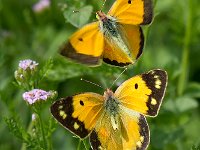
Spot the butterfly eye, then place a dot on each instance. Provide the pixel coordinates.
(136, 86)
(129, 1)
(81, 102)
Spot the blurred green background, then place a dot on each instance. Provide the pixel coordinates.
(172, 43)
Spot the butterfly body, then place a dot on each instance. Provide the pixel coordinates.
(111, 107)
(114, 35)
(111, 104)
(115, 120)
(117, 37)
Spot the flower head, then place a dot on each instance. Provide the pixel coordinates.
(26, 72)
(36, 95)
(41, 5)
(27, 64)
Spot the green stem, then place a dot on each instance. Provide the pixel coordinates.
(79, 144)
(185, 55)
(155, 2)
(42, 130)
(49, 135)
(29, 130)
(85, 145)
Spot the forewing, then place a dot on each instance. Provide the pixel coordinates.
(143, 93)
(135, 12)
(78, 113)
(85, 45)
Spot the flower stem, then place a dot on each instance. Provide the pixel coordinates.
(49, 135)
(29, 130)
(85, 145)
(42, 130)
(185, 55)
(79, 144)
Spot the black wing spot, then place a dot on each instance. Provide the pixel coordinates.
(136, 86)
(81, 102)
(80, 39)
(129, 1)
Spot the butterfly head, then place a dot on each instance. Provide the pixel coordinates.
(101, 16)
(108, 94)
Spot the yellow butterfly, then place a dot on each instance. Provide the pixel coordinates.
(116, 37)
(114, 121)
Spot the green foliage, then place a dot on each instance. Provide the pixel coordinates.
(172, 43)
(76, 18)
(16, 128)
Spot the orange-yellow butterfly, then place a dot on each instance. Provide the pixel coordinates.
(114, 121)
(116, 37)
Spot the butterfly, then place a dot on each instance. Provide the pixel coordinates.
(116, 37)
(114, 121)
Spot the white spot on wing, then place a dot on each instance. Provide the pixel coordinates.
(153, 101)
(76, 126)
(62, 114)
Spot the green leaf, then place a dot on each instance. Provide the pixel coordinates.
(185, 103)
(193, 90)
(169, 105)
(64, 68)
(79, 18)
(181, 104)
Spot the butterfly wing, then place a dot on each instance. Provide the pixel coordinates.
(136, 12)
(133, 37)
(104, 136)
(85, 45)
(137, 132)
(143, 93)
(133, 133)
(79, 113)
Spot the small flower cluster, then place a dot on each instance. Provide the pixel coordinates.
(26, 71)
(37, 95)
(27, 64)
(29, 76)
(41, 5)
(26, 76)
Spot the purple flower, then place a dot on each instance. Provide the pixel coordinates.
(27, 64)
(41, 5)
(36, 95)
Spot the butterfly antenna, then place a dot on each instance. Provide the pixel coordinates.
(91, 83)
(103, 5)
(78, 11)
(118, 77)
